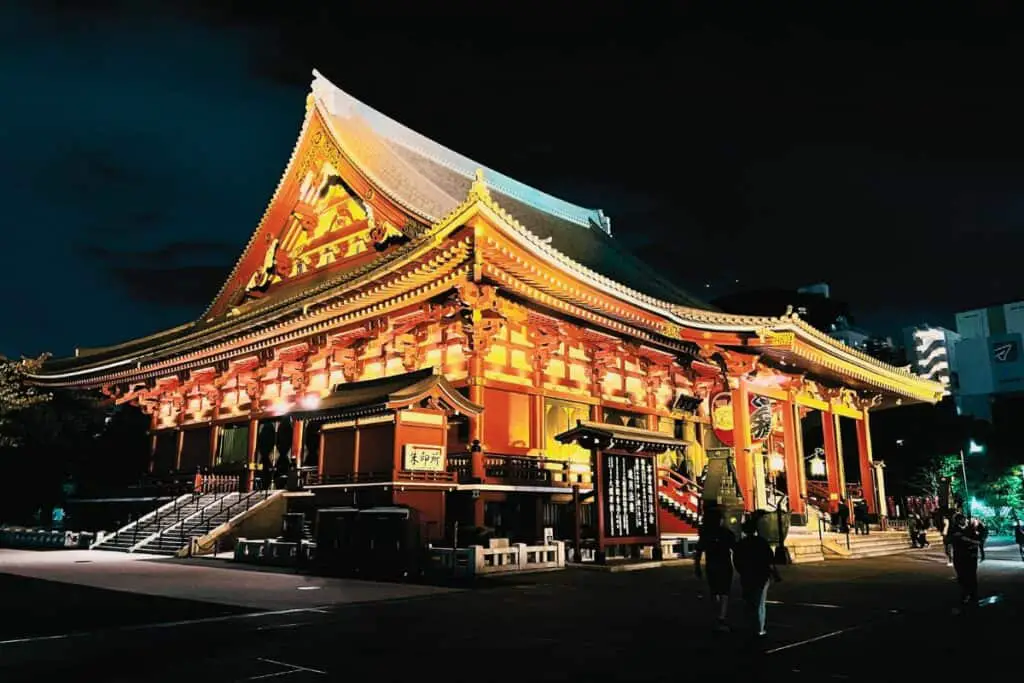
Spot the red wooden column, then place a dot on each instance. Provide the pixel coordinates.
(832, 464)
(214, 433)
(177, 454)
(794, 458)
(741, 443)
(320, 456)
(152, 451)
(476, 425)
(866, 461)
(251, 453)
(298, 431)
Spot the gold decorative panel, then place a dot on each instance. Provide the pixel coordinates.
(560, 416)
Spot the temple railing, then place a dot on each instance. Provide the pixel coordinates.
(498, 469)
(522, 470)
(310, 477)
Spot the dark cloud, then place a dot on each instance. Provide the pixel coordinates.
(173, 254)
(189, 287)
(139, 148)
(175, 275)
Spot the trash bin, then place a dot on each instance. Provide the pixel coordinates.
(336, 551)
(390, 542)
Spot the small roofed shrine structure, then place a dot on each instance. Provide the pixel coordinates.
(624, 464)
(391, 274)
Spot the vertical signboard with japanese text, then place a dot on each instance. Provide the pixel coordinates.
(629, 504)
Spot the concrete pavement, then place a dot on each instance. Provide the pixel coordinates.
(210, 581)
(842, 620)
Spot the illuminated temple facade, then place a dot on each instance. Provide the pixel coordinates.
(406, 326)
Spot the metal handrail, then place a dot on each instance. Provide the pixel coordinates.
(178, 520)
(266, 495)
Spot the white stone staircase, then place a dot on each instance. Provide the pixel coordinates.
(169, 529)
(875, 544)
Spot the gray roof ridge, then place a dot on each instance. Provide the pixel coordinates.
(338, 102)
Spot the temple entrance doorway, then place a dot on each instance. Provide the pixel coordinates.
(274, 450)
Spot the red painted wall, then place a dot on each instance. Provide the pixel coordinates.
(430, 506)
(377, 448)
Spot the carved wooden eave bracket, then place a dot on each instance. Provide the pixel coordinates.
(732, 364)
(764, 336)
(868, 401)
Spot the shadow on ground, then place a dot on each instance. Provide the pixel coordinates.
(34, 607)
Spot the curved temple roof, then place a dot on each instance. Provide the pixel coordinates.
(348, 109)
(431, 180)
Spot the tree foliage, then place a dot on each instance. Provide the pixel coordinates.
(999, 498)
(17, 394)
(45, 438)
(925, 480)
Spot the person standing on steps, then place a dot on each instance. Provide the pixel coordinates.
(755, 563)
(715, 545)
(860, 518)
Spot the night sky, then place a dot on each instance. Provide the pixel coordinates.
(882, 155)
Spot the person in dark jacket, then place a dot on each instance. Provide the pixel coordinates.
(966, 545)
(981, 531)
(947, 528)
(913, 529)
(860, 518)
(715, 545)
(755, 563)
(844, 516)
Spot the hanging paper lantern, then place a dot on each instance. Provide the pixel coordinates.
(760, 410)
(818, 466)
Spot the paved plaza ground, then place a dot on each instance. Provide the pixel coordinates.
(110, 617)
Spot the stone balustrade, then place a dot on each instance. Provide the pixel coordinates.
(21, 537)
(273, 552)
(500, 557)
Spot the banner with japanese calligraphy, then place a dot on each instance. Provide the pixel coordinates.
(423, 458)
(630, 504)
(762, 417)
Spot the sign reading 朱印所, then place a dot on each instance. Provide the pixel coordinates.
(630, 505)
(420, 458)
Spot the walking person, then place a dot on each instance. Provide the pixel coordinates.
(715, 545)
(197, 485)
(947, 538)
(1018, 536)
(982, 533)
(965, 545)
(755, 563)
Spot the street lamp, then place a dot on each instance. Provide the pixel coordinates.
(973, 448)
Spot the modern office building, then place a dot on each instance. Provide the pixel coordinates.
(990, 364)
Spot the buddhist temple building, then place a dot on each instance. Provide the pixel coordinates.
(406, 326)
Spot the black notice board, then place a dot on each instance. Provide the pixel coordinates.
(629, 502)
